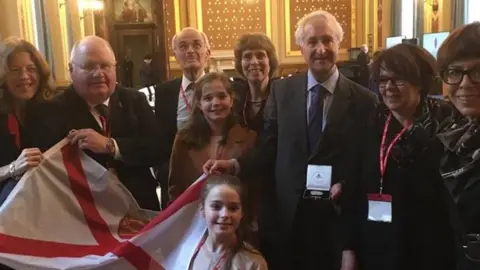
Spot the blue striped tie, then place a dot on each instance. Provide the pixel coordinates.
(315, 115)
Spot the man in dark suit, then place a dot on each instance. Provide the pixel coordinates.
(311, 122)
(363, 61)
(173, 99)
(114, 125)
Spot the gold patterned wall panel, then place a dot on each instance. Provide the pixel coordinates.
(224, 21)
(343, 10)
(172, 23)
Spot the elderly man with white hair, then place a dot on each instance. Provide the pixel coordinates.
(113, 124)
(173, 99)
(312, 124)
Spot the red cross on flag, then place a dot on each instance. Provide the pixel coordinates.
(72, 213)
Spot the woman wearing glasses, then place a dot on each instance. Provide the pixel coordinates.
(398, 211)
(459, 62)
(25, 85)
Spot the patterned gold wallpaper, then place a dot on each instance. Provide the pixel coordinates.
(224, 21)
(341, 9)
(169, 24)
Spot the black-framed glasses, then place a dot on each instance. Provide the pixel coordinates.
(454, 76)
(382, 81)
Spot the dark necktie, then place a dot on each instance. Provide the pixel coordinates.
(102, 109)
(315, 116)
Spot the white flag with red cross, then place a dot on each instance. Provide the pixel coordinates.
(72, 213)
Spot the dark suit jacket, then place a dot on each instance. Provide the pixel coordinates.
(133, 127)
(420, 235)
(242, 93)
(362, 59)
(166, 106)
(32, 133)
(282, 143)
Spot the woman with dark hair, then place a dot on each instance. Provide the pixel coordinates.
(459, 63)
(212, 132)
(398, 211)
(256, 61)
(25, 85)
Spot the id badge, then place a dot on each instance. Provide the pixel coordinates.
(319, 177)
(380, 208)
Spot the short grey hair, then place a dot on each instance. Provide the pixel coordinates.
(321, 15)
(204, 36)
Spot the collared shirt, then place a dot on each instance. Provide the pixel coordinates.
(330, 84)
(97, 115)
(182, 108)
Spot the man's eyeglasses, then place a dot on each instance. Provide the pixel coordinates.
(382, 81)
(91, 67)
(454, 76)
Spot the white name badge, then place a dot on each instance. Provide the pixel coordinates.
(319, 177)
(380, 207)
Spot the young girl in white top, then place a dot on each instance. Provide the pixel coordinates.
(223, 246)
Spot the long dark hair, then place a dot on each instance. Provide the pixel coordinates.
(241, 235)
(197, 132)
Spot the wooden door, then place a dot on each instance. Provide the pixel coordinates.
(134, 45)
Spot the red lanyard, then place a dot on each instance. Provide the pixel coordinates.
(185, 99)
(384, 155)
(14, 129)
(197, 250)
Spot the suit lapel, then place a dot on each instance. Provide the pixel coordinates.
(80, 112)
(297, 97)
(173, 93)
(336, 113)
(116, 119)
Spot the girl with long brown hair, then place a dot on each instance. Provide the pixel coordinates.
(224, 245)
(212, 132)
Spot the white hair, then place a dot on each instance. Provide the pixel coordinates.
(205, 38)
(322, 16)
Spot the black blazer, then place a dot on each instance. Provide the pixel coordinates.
(460, 168)
(166, 106)
(282, 144)
(133, 127)
(420, 235)
(242, 93)
(32, 134)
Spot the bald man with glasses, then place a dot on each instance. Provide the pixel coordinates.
(113, 124)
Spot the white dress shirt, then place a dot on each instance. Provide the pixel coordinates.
(97, 115)
(182, 109)
(330, 84)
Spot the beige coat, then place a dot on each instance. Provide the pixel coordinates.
(186, 164)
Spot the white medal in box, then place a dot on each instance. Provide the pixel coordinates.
(380, 208)
(319, 177)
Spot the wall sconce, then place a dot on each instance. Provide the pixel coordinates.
(434, 4)
(90, 5)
